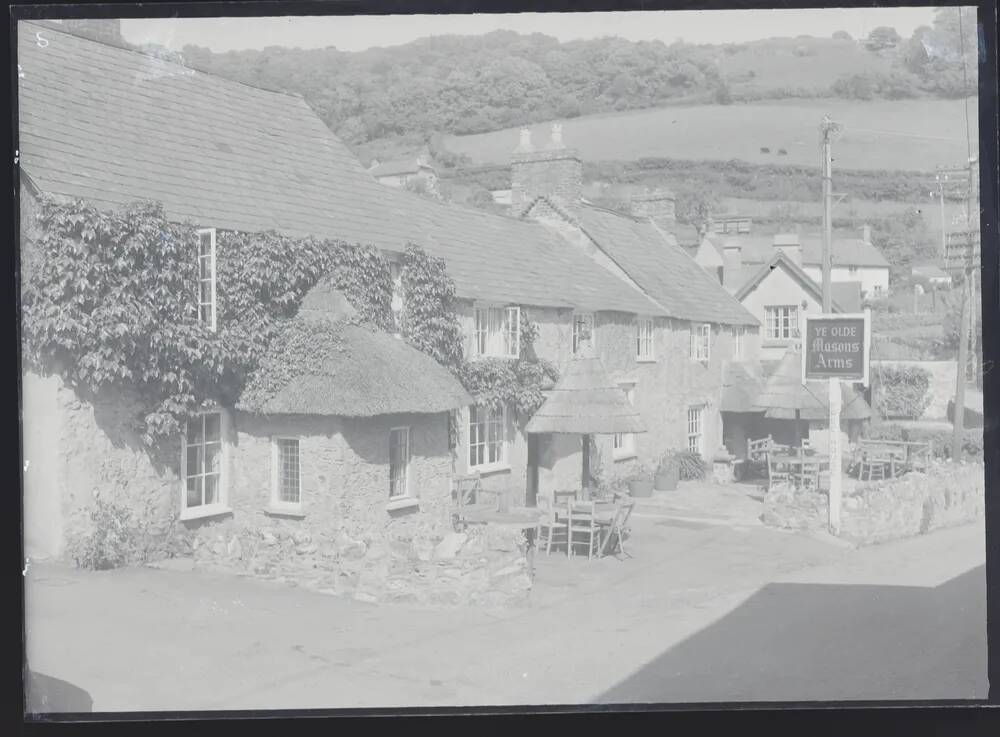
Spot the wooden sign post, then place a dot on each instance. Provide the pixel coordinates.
(836, 348)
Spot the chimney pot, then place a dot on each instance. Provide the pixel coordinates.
(867, 234)
(557, 139)
(525, 144)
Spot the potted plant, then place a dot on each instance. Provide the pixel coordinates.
(668, 472)
(640, 483)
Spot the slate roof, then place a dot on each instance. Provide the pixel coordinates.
(111, 126)
(757, 249)
(661, 268)
(780, 260)
(930, 271)
(847, 294)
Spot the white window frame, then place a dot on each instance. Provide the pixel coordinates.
(645, 325)
(220, 506)
(738, 333)
(408, 457)
(623, 443)
(501, 462)
(277, 503)
(589, 319)
(696, 429)
(700, 344)
(397, 304)
(213, 279)
(494, 327)
(770, 324)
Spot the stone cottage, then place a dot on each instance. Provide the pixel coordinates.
(229, 157)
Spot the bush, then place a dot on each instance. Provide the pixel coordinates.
(115, 536)
(901, 391)
(692, 466)
(885, 431)
(110, 541)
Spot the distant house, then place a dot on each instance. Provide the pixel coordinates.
(731, 224)
(933, 274)
(853, 259)
(501, 196)
(404, 171)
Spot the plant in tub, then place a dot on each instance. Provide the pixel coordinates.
(640, 483)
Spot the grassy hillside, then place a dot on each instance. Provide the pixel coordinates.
(759, 67)
(903, 134)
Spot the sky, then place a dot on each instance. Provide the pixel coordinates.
(356, 33)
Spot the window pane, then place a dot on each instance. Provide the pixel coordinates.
(211, 489)
(205, 243)
(194, 428)
(205, 294)
(192, 467)
(213, 425)
(194, 491)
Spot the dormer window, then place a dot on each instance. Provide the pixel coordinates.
(496, 332)
(701, 342)
(396, 304)
(644, 340)
(583, 331)
(206, 278)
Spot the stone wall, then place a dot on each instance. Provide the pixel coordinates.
(948, 495)
(349, 537)
(664, 390)
(415, 559)
(77, 447)
(879, 511)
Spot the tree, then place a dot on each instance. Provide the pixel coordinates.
(695, 205)
(854, 87)
(842, 36)
(881, 38)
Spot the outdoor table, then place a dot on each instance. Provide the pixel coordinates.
(793, 460)
(525, 519)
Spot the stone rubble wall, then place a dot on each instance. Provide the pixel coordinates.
(874, 512)
(914, 504)
(410, 561)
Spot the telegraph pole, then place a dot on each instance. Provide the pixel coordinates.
(968, 257)
(829, 130)
(941, 178)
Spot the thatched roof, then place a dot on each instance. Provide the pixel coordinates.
(784, 393)
(586, 401)
(741, 385)
(325, 362)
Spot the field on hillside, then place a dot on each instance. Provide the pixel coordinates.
(860, 209)
(905, 134)
(790, 63)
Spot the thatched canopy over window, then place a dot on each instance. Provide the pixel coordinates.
(326, 362)
(585, 401)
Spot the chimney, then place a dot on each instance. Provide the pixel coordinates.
(788, 244)
(732, 269)
(553, 171)
(658, 206)
(866, 234)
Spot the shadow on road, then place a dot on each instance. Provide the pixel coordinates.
(820, 642)
(46, 695)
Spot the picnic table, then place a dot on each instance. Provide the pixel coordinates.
(794, 463)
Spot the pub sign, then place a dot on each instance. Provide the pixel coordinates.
(836, 347)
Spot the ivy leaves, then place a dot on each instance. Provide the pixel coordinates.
(110, 302)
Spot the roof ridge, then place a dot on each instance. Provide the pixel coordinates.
(131, 48)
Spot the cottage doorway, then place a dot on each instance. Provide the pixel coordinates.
(534, 453)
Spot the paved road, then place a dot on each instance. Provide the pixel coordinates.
(702, 613)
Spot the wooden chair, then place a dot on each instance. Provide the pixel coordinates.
(776, 473)
(552, 528)
(583, 523)
(618, 529)
(465, 491)
(919, 457)
(757, 451)
(874, 461)
(807, 474)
